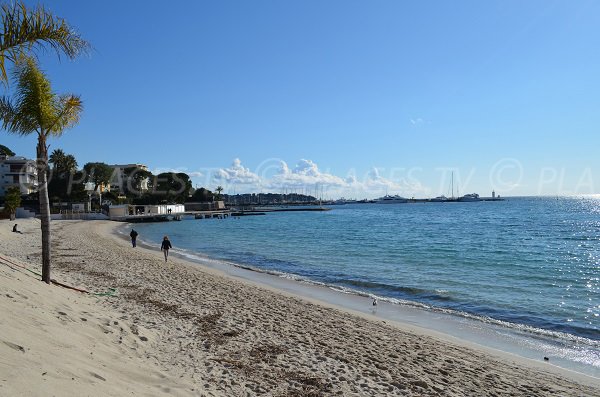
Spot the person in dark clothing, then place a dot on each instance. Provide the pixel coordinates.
(133, 236)
(165, 247)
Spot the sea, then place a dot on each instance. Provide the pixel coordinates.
(520, 275)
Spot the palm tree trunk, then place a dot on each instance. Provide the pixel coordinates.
(42, 168)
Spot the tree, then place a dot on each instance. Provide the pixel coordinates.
(98, 173)
(69, 165)
(174, 186)
(60, 184)
(12, 201)
(36, 109)
(24, 30)
(6, 151)
(56, 157)
(76, 189)
(62, 164)
(136, 181)
(219, 189)
(186, 187)
(202, 195)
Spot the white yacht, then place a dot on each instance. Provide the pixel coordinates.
(343, 200)
(470, 197)
(439, 199)
(387, 199)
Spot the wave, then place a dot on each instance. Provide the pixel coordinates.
(398, 290)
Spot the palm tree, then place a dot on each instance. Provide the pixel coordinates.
(12, 201)
(69, 164)
(26, 29)
(62, 164)
(219, 189)
(36, 109)
(57, 158)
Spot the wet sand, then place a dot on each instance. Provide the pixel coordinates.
(176, 328)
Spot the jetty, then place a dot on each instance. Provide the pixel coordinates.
(292, 209)
(265, 211)
(177, 212)
(454, 200)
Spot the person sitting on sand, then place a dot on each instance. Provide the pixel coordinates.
(15, 229)
(165, 246)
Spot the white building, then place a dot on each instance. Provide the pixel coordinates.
(18, 171)
(119, 180)
(131, 211)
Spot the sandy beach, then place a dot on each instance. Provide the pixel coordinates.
(183, 330)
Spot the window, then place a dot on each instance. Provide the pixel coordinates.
(16, 167)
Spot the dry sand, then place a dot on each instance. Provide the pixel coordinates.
(179, 329)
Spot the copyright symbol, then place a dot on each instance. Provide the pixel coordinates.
(268, 168)
(506, 174)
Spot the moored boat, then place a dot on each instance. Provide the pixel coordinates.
(439, 199)
(387, 199)
(470, 197)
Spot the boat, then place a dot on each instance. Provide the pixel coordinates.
(439, 199)
(470, 197)
(442, 198)
(387, 199)
(342, 201)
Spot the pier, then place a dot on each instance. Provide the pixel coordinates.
(178, 216)
(454, 200)
(292, 209)
(216, 214)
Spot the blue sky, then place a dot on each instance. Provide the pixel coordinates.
(350, 97)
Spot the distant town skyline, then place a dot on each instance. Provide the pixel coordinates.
(348, 98)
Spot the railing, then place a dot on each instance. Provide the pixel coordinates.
(79, 215)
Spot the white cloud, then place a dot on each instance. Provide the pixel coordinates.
(236, 174)
(308, 168)
(306, 176)
(306, 173)
(416, 121)
(375, 184)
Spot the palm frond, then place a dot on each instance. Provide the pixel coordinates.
(57, 156)
(13, 119)
(68, 110)
(70, 163)
(25, 29)
(7, 114)
(33, 95)
(35, 108)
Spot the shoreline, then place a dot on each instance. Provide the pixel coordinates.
(497, 339)
(229, 336)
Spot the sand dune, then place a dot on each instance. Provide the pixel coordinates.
(177, 329)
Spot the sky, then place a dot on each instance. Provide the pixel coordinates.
(346, 98)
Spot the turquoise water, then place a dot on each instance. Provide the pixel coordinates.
(524, 262)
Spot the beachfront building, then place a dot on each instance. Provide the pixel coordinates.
(18, 171)
(119, 179)
(132, 211)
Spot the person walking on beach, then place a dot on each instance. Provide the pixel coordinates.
(165, 247)
(133, 236)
